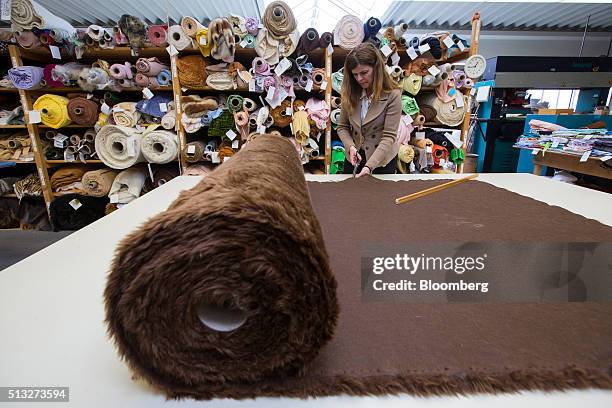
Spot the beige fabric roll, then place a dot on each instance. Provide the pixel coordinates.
(125, 114)
(191, 26)
(97, 183)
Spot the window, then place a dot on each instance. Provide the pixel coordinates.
(556, 98)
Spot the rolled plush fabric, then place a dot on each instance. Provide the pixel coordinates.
(157, 35)
(249, 104)
(279, 20)
(83, 111)
(134, 29)
(179, 39)
(279, 114)
(190, 26)
(164, 78)
(192, 71)
(118, 146)
(371, 27)
(150, 66)
(97, 183)
(53, 110)
(201, 40)
(193, 152)
(161, 175)
(409, 105)
(125, 114)
(27, 39)
(159, 146)
(121, 71)
(197, 106)
(309, 41)
(336, 102)
(220, 125)
(272, 219)
(65, 218)
(221, 40)
(29, 15)
(142, 80)
(349, 32)
(26, 77)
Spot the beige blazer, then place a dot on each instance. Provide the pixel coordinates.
(378, 133)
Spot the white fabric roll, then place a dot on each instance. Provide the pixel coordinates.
(179, 39)
(118, 146)
(27, 14)
(399, 30)
(349, 32)
(448, 113)
(127, 186)
(159, 146)
(168, 121)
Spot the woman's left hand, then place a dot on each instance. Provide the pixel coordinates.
(364, 171)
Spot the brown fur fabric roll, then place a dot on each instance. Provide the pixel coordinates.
(192, 71)
(196, 106)
(250, 241)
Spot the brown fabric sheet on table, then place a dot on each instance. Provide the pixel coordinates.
(422, 349)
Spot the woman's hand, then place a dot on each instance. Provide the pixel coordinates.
(355, 158)
(364, 171)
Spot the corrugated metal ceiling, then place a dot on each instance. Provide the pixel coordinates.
(517, 15)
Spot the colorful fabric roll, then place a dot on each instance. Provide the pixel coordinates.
(409, 105)
(252, 25)
(158, 34)
(125, 114)
(235, 103)
(221, 40)
(193, 151)
(53, 110)
(142, 80)
(446, 113)
(164, 78)
(83, 111)
(434, 46)
(191, 26)
(192, 71)
(152, 107)
(118, 146)
(177, 38)
(371, 27)
(412, 83)
(349, 32)
(220, 125)
(279, 114)
(336, 102)
(26, 77)
(300, 127)
(248, 41)
(318, 111)
(29, 15)
(279, 19)
(150, 66)
(201, 38)
(134, 29)
(337, 80)
(159, 146)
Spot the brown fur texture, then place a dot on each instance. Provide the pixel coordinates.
(247, 238)
(195, 106)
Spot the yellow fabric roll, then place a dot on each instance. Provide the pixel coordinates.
(53, 110)
(301, 127)
(102, 119)
(202, 35)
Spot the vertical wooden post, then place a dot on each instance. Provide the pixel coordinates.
(26, 104)
(177, 91)
(328, 92)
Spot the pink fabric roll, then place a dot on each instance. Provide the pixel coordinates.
(261, 67)
(403, 133)
(157, 35)
(287, 83)
(142, 79)
(318, 111)
(121, 71)
(150, 66)
(120, 38)
(27, 39)
(269, 81)
(125, 83)
(47, 71)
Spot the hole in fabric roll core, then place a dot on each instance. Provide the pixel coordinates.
(278, 12)
(44, 111)
(156, 34)
(176, 36)
(310, 35)
(372, 23)
(219, 318)
(158, 147)
(78, 111)
(118, 147)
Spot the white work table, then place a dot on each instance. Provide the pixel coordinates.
(52, 313)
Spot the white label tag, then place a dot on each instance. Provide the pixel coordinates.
(428, 149)
(226, 158)
(58, 140)
(407, 119)
(105, 109)
(442, 162)
(386, 50)
(455, 139)
(459, 99)
(252, 85)
(270, 94)
(89, 96)
(184, 89)
(163, 107)
(172, 50)
(433, 70)
(34, 116)
(585, 156)
(419, 135)
(330, 49)
(555, 143)
(605, 158)
(261, 129)
(131, 147)
(312, 143)
(147, 93)
(461, 46)
(308, 87)
(282, 94)
(473, 91)
(190, 149)
(324, 85)
(243, 43)
(411, 53)
(114, 198)
(139, 128)
(74, 203)
(235, 144)
(6, 10)
(587, 137)
(151, 172)
(424, 48)
(448, 41)
(203, 41)
(282, 66)
(214, 156)
(231, 134)
(289, 111)
(535, 152)
(55, 52)
(68, 156)
(482, 94)
(395, 59)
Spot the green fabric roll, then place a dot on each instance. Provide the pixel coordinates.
(457, 156)
(337, 80)
(337, 161)
(219, 126)
(235, 103)
(409, 105)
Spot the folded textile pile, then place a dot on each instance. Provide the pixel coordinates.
(71, 212)
(68, 179)
(155, 107)
(16, 146)
(149, 69)
(196, 111)
(28, 186)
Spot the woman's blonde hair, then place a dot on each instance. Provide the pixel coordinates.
(364, 54)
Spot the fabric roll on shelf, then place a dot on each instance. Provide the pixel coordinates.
(127, 186)
(26, 77)
(161, 175)
(221, 40)
(435, 48)
(201, 40)
(249, 208)
(27, 39)
(249, 104)
(413, 42)
(235, 103)
(192, 71)
(122, 71)
(29, 15)
(53, 110)
(242, 124)
(75, 139)
(194, 151)
(164, 78)
(134, 29)
(118, 146)
(337, 78)
(168, 121)
(399, 30)
(279, 114)
(447, 113)
(190, 26)
(125, 114)
(335, 116)
(150, 66)
(308, 42)
(89, 135)
(336, 102)
(97, 183)
(349, 32)
(65, 218)
(252, 25)
(371, 27)
(157, 35)
(159, 146)
(325, 39)
(279, 20)
(54, 153)
(83, 111)
(419, 120)
(412, 83)
(179, 39)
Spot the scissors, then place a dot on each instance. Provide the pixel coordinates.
(355, 167)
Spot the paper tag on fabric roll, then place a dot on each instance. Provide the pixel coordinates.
(147, 93)
(252, 86)
(172, 50)
(587, 137)
(260, 25)
(482, 94)
(68, 156)
(386, 50)
(424, 48)
(324, 85)
(214, 156)
(312, 143)
(411, 53)
(163, 107)
(289, 111)
(535, 152)
(55, 52)
(461, 46)
(58, 140)
(139, 128)
(291, 127)
(151, 173)
(89, 96)
(235, 144)
(75, 204)
(78, 52)
(231, 134)
(407, 119)
(308, 87)
(473, 91)
(261, 129)
(605, 158)
(419, 135)
(243, 43)
(448, 41)
(34, 116)
(184, 89)
(131, 147)
(428, 149)
(555, 143)
(6, 10)
(442, 162)
(282, 95)
(459, 99)
(455, 138)
(395, 59)
(105, 109)
(282, 66)
(114, 198)
(433, 70)
(203, 41)
(270, 94)
(190, 149)
(226, 158)
(585, 156)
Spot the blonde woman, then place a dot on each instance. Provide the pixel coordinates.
(370, 114)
